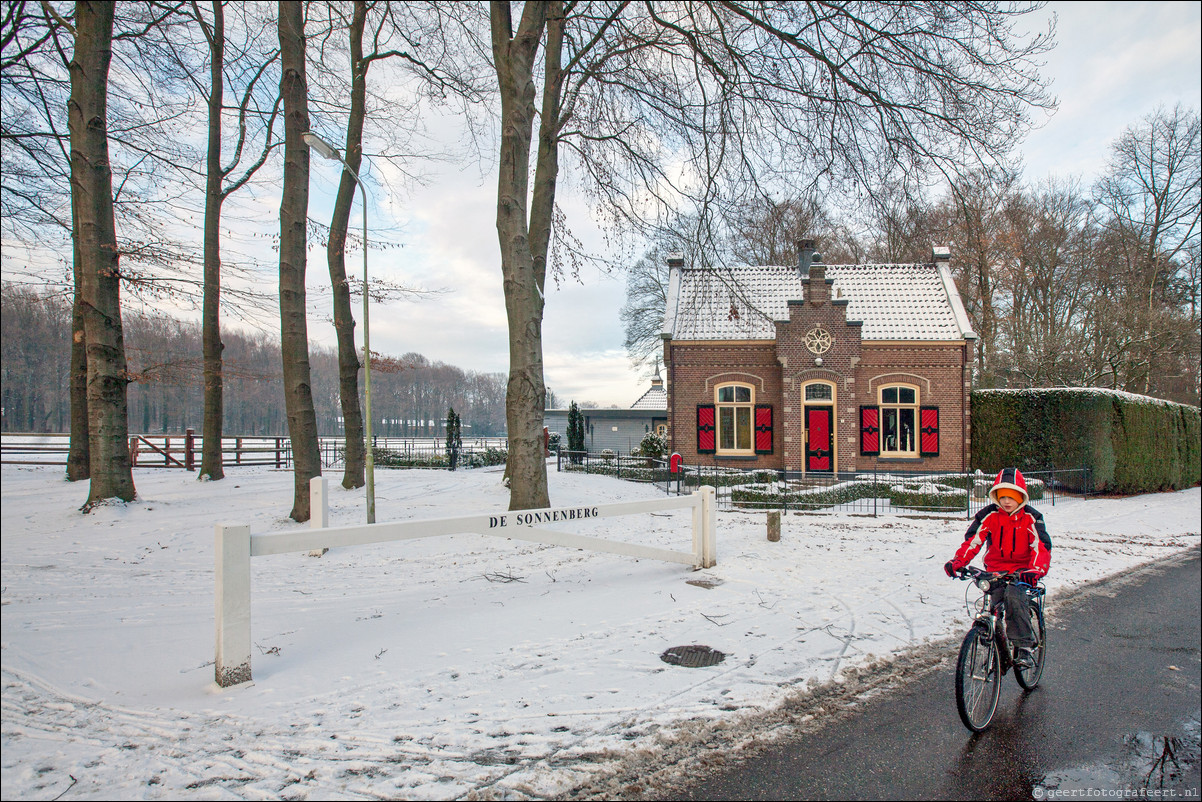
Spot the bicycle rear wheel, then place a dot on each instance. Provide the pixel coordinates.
(978, 680)
(1028, 678)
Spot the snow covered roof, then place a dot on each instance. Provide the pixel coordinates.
(893, 301)
(655, 398)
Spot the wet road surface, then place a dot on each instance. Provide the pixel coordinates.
(1118, 708)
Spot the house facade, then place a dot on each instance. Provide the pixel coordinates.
(819, 368)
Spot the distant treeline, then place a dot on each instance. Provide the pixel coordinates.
(410, 394)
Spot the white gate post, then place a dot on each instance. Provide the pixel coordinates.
(709, 547)
(232, 665)
(319, 508)
(319, 502)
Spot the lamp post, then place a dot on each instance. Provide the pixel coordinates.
(325, 150)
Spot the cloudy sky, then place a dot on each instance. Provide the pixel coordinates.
(1114, 63)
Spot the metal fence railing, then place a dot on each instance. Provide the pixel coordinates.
(876, 492)
(634, 469)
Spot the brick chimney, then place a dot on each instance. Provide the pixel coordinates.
(817, 285)
(805, 255)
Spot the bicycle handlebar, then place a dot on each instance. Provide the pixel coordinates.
(974, 573)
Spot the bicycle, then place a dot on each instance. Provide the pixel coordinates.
(985, 654)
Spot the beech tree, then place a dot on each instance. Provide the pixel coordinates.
(294, 206)
(1150, 204)
(222, 179)
(111, 475)
(376, 32)
(661, 105)
(37, 187)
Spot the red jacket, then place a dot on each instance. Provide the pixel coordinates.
(1015, 542)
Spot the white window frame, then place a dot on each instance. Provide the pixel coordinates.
(893, 443)
(737, 410)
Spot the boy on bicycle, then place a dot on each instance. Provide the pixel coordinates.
(1015, 540)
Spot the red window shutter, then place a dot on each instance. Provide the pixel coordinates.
(763, 429)
(870, 431)
(928, 431)
(706, 432)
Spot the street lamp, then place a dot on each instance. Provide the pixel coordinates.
(325, 150)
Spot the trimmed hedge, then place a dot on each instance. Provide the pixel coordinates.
(386, 458)
(924, 493)
(1131, 443)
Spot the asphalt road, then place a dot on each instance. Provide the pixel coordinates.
(1118, 707)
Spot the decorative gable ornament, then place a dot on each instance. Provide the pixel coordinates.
(818, 340)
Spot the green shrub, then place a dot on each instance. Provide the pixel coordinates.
(385, 458)
(488, 457)
(653, 446)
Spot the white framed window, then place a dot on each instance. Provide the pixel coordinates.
(899, 420)
(818, 392)
(734, 405)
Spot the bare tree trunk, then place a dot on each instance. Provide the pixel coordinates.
(294, 206)
(78, 467)
(344, 321)
(91, 182)
(214, 406)
(514, 58)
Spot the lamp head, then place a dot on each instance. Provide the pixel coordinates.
(323, 148)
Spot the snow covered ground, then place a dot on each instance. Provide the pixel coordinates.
(455, 667)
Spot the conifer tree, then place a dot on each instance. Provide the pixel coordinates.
(575, 430)
(454, 437)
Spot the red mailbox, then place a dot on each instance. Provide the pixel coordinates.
(674, 465)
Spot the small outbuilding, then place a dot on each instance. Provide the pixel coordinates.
(617, 430)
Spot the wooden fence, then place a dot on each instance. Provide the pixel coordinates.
(163, 450)
(182, 451)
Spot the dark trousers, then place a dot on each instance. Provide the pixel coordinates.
(1018, 614)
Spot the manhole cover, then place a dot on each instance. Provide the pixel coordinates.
(692, 656)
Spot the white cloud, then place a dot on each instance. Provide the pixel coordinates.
(1114, 63)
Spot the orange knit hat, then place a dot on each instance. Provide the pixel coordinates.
(1014, 494)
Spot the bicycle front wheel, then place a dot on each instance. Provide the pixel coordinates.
(1028, 678)
(978, 680)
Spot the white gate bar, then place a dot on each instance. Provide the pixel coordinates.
(497, 523)
(235, 545)
(536, 535)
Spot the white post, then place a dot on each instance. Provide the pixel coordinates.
(709, 547)
(699, 529)
(319, 508)
(232, 665)
(319, 502)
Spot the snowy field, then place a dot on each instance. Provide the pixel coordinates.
(461, 667)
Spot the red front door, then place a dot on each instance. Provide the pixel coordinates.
(819, 439)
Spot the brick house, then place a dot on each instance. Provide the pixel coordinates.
(819, 368)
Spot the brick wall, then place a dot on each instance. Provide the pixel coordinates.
(818, 317)
(695, 369)
(938, 371)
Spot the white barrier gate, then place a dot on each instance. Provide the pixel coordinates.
(235, 545)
